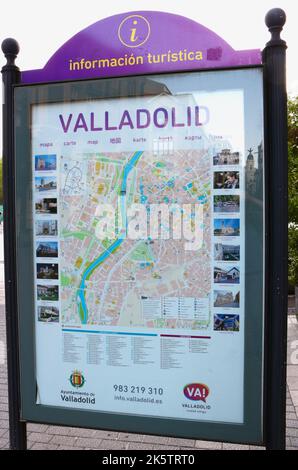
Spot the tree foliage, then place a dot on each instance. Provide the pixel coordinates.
(293, 158)
(293, 189)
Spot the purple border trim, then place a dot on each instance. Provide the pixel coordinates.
(161, 42)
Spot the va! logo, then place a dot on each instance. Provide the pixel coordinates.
(196, 392)
(77, 379)
(134, 31)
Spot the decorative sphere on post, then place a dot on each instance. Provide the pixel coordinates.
(275, 18)
(10, 48)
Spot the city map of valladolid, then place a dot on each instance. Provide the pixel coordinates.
(138, 239)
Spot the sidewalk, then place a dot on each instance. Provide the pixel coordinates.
(42, 436)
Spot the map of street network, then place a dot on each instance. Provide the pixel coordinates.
(117, 281)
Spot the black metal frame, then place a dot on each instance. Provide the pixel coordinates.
(276, 237)
(251, 430)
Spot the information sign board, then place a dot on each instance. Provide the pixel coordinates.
(144, 206)
(145, 233)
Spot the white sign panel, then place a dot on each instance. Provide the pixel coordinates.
(139, 255)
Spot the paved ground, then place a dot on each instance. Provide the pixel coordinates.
(42, 436)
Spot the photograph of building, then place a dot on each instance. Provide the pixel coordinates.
(226, 157)
(226, 203)
(226, 252)
(227, 276)
(46, 228)
(227, 227)
(46, 206)
(225, 298)
(47, 271)
(47, 292)
(226, 180)
(45, 183)
(48, 314)
(45, 162)
(223, 322)
(47, 249)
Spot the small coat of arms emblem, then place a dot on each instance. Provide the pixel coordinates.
(77, 379)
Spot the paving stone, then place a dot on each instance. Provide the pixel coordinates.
(4, 443)
(292, 423)
(59, 430)
(99, 434)
(190, 448)
(4, 433)
(294, 441)
(293, 383)
(291, 409)
(130, 437)
(288, 441)
(63, 440)
(37, 427)
(4, 423)
(166, 448)
(156, 439)
(292, 371)
(257, 448)
(69, 448)
(39, 446)
(294, 396)
(113, 445)
(81, 432)
(291, 415)
(228, 446)
(88, 442)
(139, 446)
(177, 441)
(292, 432)
(39, 437)
(209, 445)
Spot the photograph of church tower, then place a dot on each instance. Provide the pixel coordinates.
(253, 172)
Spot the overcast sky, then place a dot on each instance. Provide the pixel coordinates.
(41, 27)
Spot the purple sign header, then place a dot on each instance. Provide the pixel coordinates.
(138, 43)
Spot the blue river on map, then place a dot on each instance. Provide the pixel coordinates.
(127, 169)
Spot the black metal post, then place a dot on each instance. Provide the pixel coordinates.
(274, 59)
(10, 77)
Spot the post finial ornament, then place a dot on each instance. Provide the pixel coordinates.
(275, 20)
(10, 48)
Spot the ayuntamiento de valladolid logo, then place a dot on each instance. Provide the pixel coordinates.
(77, 381)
